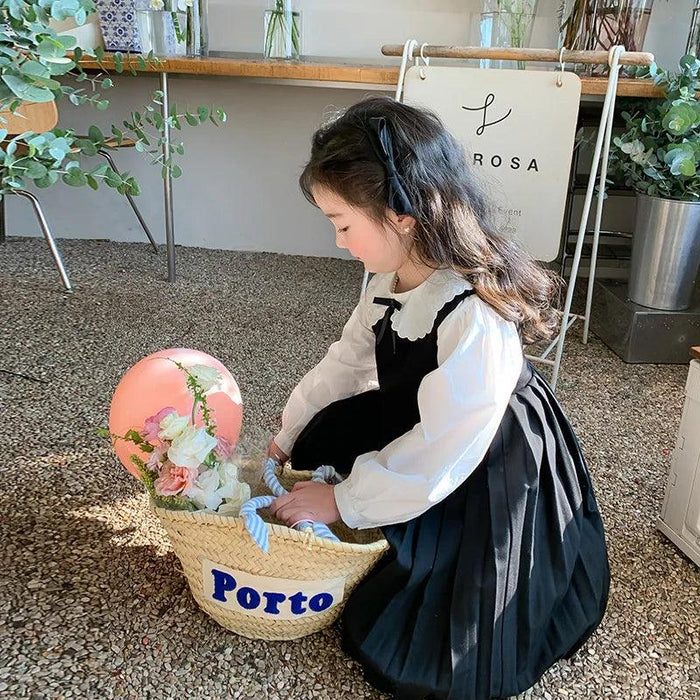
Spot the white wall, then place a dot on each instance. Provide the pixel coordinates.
(239, 187)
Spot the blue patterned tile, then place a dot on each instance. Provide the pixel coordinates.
(118, 24)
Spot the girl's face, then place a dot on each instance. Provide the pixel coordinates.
(377, 245)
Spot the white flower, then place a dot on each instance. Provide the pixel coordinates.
(228, 472)
(234, 491)
(191, 447)
(204, 492)
(232, 506)
(207, 377)
(172, 426)
(214, 486)
(182, 5)
(156, 4)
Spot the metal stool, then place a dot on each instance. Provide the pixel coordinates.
(42, 117)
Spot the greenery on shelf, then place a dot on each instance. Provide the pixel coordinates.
(39, 65)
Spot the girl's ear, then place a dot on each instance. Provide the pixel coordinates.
(402, 222)
(406, 224)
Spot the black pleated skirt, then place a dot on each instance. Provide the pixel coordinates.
(481, 594)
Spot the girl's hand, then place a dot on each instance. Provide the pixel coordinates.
(308, 500)
(276, 454)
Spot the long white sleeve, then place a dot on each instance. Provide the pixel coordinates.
(461, 405)
(348, 368)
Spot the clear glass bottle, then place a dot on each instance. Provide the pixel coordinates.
(179, 28)
(161, 31)
(197, 28)
(282, 37)
(506, 23)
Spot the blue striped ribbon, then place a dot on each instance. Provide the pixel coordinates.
(258, 528)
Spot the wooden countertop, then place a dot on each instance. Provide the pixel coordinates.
(325, 69)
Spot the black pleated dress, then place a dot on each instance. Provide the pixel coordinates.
(481, 594)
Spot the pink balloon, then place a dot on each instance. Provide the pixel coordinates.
(154, 383)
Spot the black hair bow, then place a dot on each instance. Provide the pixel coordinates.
(381, 142)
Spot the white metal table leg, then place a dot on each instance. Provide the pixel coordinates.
(168, 180)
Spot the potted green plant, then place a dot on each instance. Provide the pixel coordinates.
(36, 65)
(658, 155)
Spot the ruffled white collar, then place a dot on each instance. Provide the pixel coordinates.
(419, 306)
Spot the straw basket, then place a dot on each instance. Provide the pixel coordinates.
(296, 589)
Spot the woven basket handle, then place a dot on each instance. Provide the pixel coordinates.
(258, 528)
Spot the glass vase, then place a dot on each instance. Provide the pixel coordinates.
(506, 23)
(182, 31)
(598, 25)
(197, 38)
(282, 37)
(162, 32)
(693, 45)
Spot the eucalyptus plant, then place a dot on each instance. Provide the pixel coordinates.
(659, 152)
(36, 65)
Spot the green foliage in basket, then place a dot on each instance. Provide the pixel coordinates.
(659, 152)
(35, 66)
(146, 476)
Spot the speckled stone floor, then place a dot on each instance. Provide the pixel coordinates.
(92, 602)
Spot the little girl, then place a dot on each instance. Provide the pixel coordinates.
(452, 443)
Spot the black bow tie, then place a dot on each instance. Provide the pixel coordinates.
(393, 305)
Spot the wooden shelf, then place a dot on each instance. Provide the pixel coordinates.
(325, 69)
(626, 87)
(246, 65)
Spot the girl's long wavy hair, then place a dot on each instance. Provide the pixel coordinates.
(454, 217)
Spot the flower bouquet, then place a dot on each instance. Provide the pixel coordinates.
(248, 573)
(185, 466)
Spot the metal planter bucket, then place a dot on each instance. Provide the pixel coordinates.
(665, 253)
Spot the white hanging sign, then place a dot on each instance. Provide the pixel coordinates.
(268, 597)
(518, 128)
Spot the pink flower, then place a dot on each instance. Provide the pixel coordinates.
(159, 451)
(174, 480)
(151, 427)
(223, 448)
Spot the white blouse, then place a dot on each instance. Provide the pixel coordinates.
(461, 403)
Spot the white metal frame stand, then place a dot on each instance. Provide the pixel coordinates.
(615, 58)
